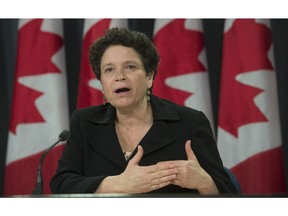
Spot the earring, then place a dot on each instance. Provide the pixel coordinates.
(148, 92)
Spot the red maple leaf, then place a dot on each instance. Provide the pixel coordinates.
(24, 110)
(179, 50)
(88, 96)
(246, 45)
(35, 51)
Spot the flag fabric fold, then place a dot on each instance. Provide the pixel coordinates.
(183, 75)
(249, 133)
(39, 107)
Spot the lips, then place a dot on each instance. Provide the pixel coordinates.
(121, 90)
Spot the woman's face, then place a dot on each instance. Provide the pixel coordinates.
(123, 78)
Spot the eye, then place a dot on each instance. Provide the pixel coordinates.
(109, 69)
(130, 67)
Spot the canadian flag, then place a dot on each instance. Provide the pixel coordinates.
(40, 105)
(89, 88)
(249, 135)
(182, 74)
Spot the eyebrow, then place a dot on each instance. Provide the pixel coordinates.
(126, 62)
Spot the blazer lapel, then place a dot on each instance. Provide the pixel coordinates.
(109, 147)
(160, 134)
(102, 136)
(157, 137)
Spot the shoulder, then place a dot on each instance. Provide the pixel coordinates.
(183, 111)
(182, 117)
(89, 110)
(168, 110)
(97, 114)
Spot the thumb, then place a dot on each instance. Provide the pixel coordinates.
(137, 157)
(189, 152)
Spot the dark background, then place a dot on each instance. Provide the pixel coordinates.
(213, 33)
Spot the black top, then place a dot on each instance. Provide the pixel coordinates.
(93, 150)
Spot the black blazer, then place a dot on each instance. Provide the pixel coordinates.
(93, 151)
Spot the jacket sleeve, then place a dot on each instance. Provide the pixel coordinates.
(69, 177)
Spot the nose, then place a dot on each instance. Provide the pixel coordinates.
(120, 76)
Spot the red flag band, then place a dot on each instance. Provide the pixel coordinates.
(249, 135)
(40, 105)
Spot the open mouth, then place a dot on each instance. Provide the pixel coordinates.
(121, 90)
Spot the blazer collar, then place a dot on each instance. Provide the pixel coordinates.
(162, 110)
(157, 137)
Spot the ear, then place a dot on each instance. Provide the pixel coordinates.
(150, 77)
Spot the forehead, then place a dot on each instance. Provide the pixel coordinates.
(119, 53)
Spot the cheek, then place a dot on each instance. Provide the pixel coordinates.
(105, 88)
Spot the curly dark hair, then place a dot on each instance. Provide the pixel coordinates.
(128, 38)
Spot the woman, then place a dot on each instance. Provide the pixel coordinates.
(137, 142)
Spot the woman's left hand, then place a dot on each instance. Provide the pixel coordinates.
(191, 175)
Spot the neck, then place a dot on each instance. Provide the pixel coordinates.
(138, 116)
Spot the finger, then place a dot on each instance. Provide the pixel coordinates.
(137, 157)
(189, 152)
(163, 173)
(164, 179)
(158, 186)
(162, 182)
(176, 182)
(170, 164)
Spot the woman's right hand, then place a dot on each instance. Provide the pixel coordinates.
(138, 179)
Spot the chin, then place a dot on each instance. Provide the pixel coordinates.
(122, 103)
